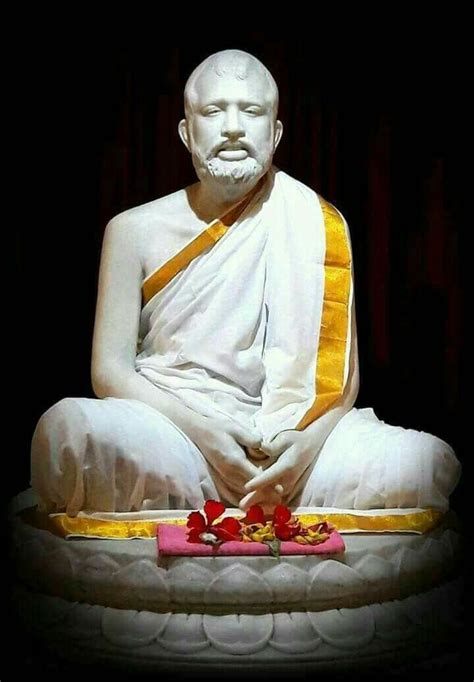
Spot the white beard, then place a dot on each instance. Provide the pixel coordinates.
(230, 172)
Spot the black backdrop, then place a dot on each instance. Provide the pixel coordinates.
(379, 134)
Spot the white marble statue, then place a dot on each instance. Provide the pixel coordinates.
(239, 290)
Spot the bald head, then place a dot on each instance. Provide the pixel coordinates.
(231, 127)
(234, 63)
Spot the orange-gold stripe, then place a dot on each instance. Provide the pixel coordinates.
(331, 353)
(207, 238)
(170, 269)
(62, 525)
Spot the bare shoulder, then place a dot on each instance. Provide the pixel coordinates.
(145, 217)
(154, 231)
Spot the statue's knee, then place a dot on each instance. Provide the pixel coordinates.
(62, 410)
(444, 466)
(431, 472)
(57, 421)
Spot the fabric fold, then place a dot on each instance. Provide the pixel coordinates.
(252, 322)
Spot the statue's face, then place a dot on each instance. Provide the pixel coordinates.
(232, 134)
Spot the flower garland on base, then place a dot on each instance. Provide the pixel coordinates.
(253, 527)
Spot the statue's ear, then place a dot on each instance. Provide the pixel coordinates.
(183, 133)
(278, 133)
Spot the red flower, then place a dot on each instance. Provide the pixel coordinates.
(284, 530)
(204, 530)
(254, 515)
(254, 527)
(227, 529)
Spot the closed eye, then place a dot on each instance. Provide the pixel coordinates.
(210, 111)
(253, 111)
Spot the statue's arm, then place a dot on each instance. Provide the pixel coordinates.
(117, 324)
(113, 359)
(317, 431)
(296, 450)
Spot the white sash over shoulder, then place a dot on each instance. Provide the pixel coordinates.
(251, 320)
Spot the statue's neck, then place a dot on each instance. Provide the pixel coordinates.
(211, 200)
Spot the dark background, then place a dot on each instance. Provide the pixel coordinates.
(375, 120)
(379, 132)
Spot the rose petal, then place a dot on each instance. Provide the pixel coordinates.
(281, 514)
(213, 509)
(224, 535)
(255, 514)
(230, 524)
(284, 532)
(194, 535)
(196, 520)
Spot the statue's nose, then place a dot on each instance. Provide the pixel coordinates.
(232, 125)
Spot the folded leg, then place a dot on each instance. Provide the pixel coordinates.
(115, 455)
(367, 464)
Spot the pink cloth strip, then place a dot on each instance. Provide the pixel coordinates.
(172, 540)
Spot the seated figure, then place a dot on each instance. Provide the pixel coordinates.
(239, 290)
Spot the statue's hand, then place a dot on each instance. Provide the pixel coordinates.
(266, 496)
(221, 441)
(295, 451)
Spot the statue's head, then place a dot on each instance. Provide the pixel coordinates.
(231, 126)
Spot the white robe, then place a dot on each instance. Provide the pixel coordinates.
(237, 332)
(257, 329)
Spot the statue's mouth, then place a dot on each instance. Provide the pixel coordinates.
(233, 154)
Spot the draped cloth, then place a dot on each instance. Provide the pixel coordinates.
(251, 321)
